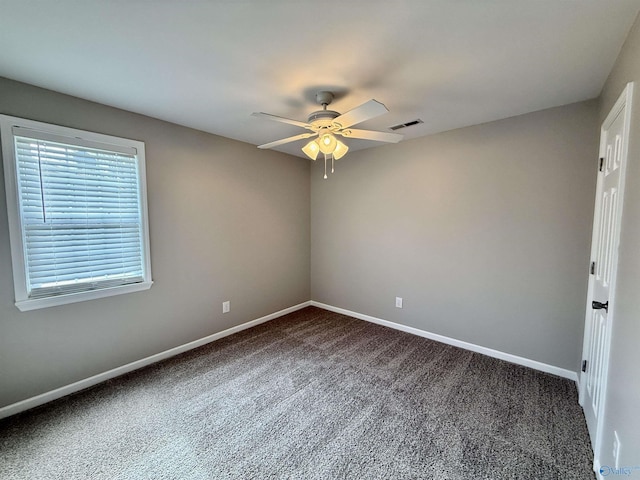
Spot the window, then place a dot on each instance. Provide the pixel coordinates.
(77, 213)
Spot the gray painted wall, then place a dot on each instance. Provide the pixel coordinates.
(484, 231)
(227, 222)
(623, 393)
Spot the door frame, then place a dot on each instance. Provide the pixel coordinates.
(625, 101)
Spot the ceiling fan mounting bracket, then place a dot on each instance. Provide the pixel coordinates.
(324, 98)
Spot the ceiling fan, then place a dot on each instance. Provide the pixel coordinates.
(326, 124)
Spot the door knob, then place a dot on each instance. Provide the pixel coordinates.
(600, 306)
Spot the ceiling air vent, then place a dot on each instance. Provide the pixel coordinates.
(405, 125)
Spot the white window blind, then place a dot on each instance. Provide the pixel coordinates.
(82, 221)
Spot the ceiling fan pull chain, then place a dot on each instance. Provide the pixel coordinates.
(325, 166)
(332, 158)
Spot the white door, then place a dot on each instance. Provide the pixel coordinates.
(604, 253)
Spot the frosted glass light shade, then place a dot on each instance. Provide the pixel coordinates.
(340, 151)
(311, 149)
(327, 143)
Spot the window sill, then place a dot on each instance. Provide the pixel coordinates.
(37, 303)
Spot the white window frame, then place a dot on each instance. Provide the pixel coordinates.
(72, 137)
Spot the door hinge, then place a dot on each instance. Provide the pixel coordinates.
(600, 306)
(584, 365)
(593, 268)
(601, 164)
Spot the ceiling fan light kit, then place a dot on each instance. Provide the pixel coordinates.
(326, 124)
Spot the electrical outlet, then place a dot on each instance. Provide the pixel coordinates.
(398, 302)
(616, 448)
(226, 306)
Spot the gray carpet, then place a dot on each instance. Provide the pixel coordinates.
(310, 395)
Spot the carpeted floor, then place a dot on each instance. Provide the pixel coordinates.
(312, 395)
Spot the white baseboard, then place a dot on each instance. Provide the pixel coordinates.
(101, 377)
(543, 367)
(579, 389)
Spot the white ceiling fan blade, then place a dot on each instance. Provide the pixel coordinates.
(371, 135)
(287, 140)
(367, 110)
(290, 121)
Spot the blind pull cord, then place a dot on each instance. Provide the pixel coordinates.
(44, 212)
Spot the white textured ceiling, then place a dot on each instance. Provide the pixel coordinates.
(209, 64)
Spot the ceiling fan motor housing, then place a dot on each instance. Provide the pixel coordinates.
(323, 118)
